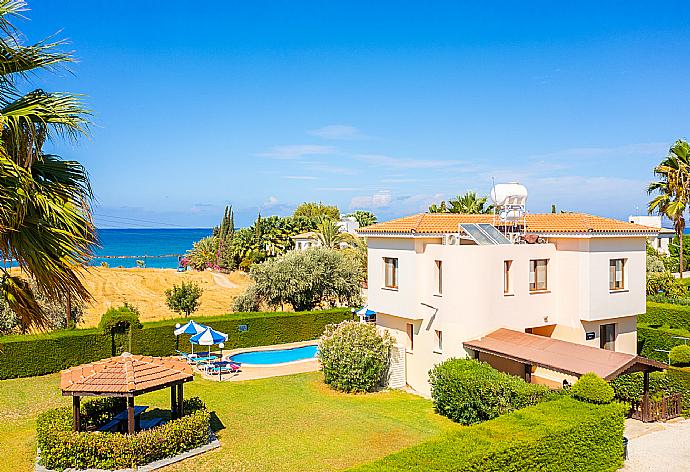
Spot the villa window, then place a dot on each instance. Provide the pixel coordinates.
(391, 272)
(607, 337)
(616, 274)
(439, 340)
(439, 277)
(538, 274)
(506, 277)
(410, 336)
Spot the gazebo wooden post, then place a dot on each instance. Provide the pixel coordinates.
(130, 415)
(180, 400)
(173, 401)
(645, 397)
(528, 373)
(76, 413)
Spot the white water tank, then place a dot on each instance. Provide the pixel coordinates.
(510, 194)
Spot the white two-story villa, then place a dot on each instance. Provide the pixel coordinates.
(455, 285)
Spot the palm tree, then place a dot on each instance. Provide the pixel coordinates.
(440, 208)
(45, 214)
(329, 235)
(673, 189)
(468, 203)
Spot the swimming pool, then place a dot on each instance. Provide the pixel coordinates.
(275, 356)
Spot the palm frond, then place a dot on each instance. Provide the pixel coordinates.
(18, 61)
(21, 300)
(37, 116)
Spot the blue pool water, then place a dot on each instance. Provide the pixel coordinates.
(278, 356)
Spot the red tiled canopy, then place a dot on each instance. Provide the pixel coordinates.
(561, 356)
(125, 375)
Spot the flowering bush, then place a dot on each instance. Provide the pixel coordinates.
(354, 356)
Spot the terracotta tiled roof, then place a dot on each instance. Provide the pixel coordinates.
(561, 356)
(437, 223)
(307, 235)
(125, 374)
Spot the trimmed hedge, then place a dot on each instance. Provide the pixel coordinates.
(62, 448)
(469, 391)
(30, 355)
(593, 389)
(666, 314)
(652, 342)
(559, 435)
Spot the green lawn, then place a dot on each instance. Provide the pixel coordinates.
(283, 423)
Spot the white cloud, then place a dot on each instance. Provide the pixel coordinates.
(272, 201)
(405, 163)
(343, 132)
(300, 177)
(294, 151)
(380, 199)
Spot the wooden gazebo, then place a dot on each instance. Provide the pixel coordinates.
(126, 376)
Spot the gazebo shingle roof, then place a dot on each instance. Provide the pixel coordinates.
(124, 375)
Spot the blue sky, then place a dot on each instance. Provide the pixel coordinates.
(386, 106)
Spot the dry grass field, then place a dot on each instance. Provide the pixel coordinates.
(145, 288)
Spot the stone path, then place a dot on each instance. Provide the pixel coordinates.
(222, 281)
(658, 447)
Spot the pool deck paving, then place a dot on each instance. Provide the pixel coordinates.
(273, 370)
(659, 447)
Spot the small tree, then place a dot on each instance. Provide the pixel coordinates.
(317, 277)
(315, 210)
(185, 298)
(119, 320)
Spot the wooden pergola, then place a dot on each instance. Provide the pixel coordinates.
(126, 376)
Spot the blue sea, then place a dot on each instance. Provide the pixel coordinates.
(159, 248)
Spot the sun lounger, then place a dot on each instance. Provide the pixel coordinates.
(205, 359)
(223, 369)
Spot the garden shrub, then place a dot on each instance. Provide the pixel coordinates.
(665, 282)
(60, 350)
(469, 391)
(680, 356)
(555, 436)
(62, 448)
(593, 389)
(354, 356)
